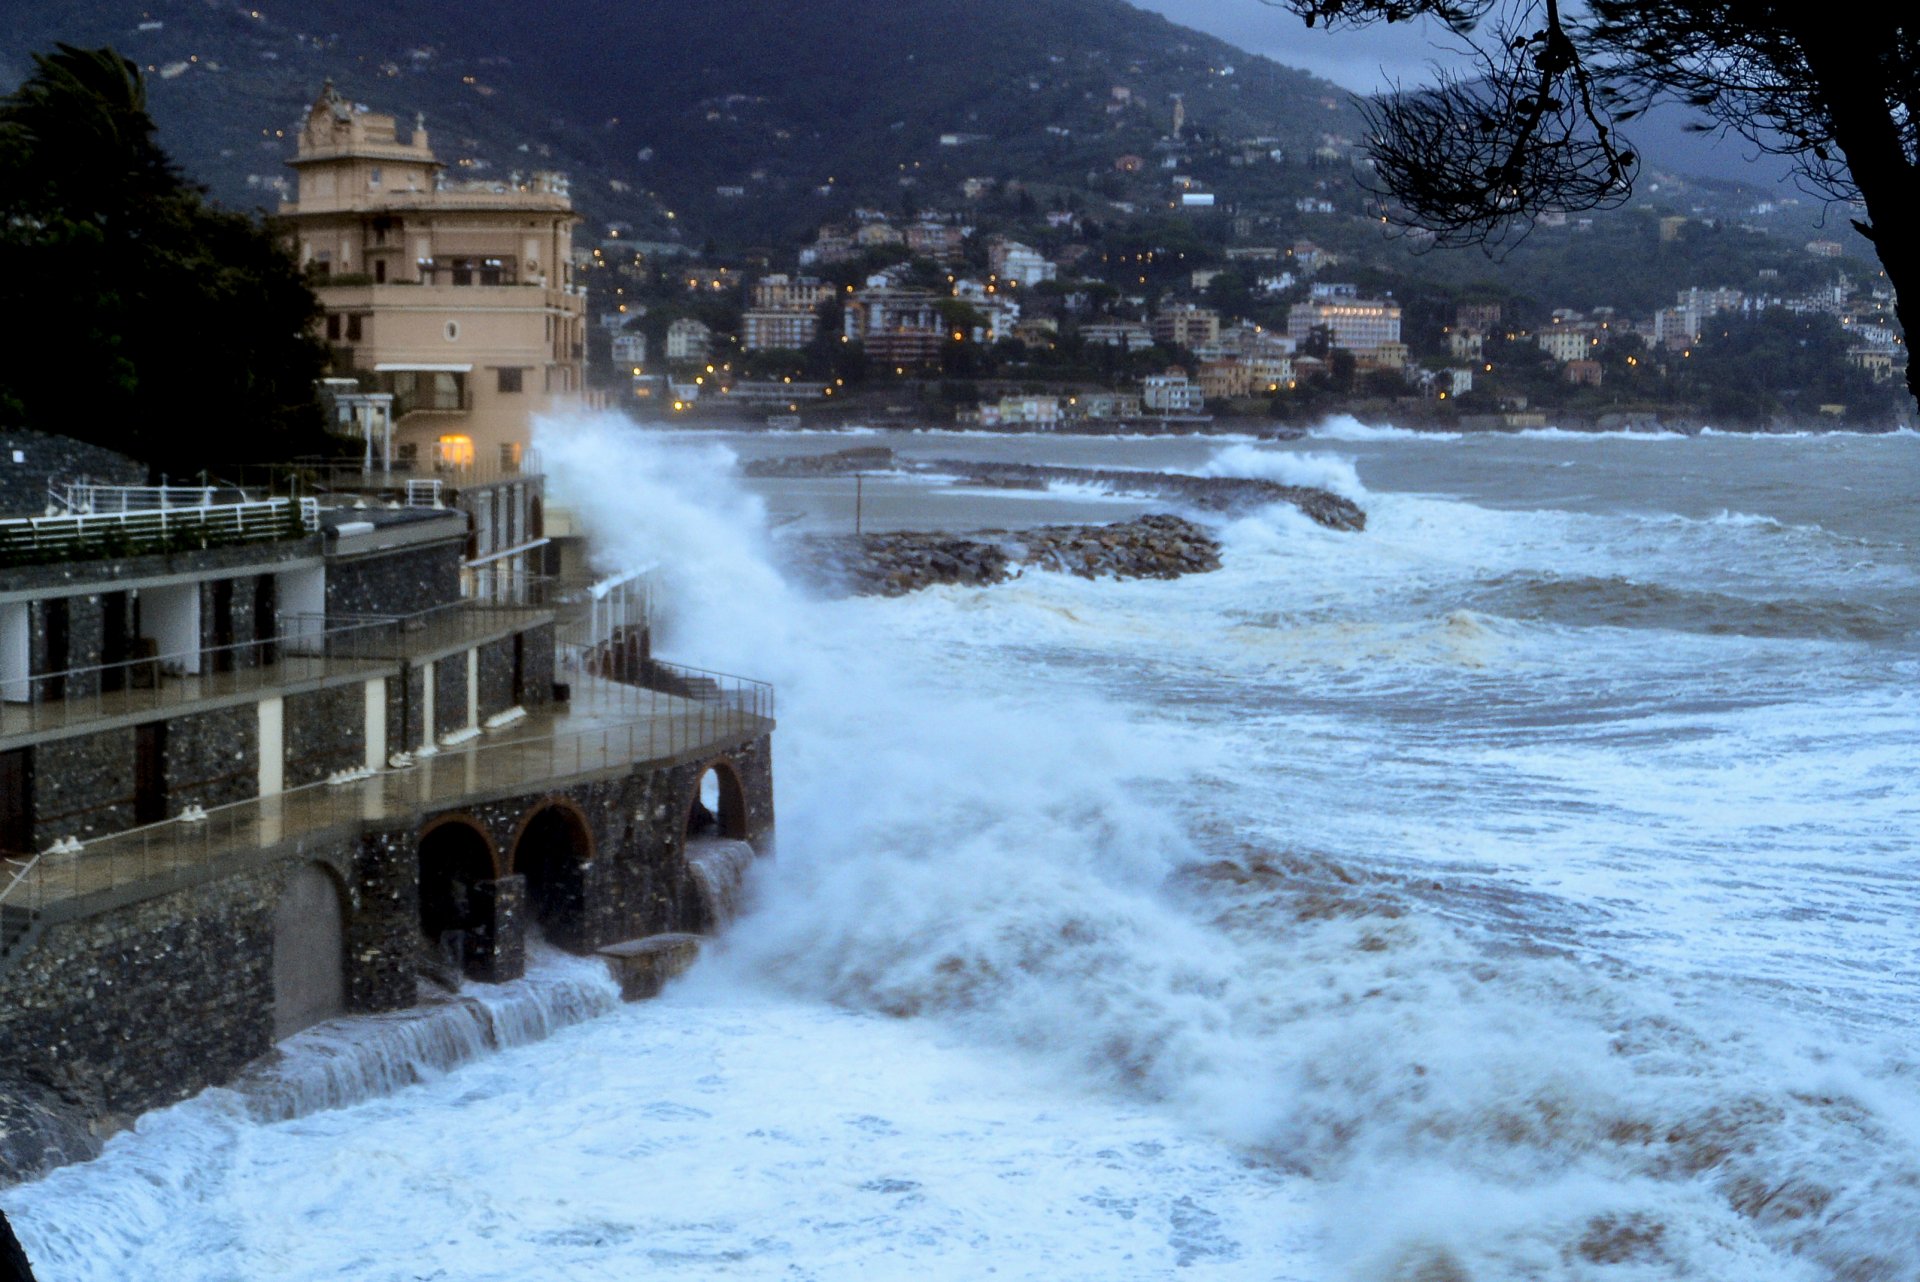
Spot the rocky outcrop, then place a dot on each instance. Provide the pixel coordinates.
(872, 458)
(1152, 547)
(40, 1130)
(14, 1266)
(1228, 494)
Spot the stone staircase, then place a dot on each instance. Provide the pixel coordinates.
(704, 689)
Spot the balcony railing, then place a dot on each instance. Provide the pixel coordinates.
(92, 535)
(86, 498)
(326, 475)
(432, 400)
(307, 647)
(609, 726)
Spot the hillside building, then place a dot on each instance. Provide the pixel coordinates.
(780, 292)
(1128, 336)
(780, 328)
(1186, 325)
(1359, 325)
(899, 327)
(689, 340)
(1568, 342)
(458, 299)
(1171, 393)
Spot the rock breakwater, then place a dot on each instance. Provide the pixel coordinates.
(869, 458)
(893, 564)
(1225, 494)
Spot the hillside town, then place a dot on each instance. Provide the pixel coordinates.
(1048, 333)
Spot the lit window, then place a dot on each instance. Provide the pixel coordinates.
(455, 451)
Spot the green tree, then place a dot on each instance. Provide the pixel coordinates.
(144, 319)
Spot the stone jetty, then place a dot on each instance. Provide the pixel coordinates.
(871, 458)
(1225, 494)
(1229, 495)
(895, 563)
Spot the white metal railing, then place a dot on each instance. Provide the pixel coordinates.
(133, 532)
(425, 493)
(87, 498)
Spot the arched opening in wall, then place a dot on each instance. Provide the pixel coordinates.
(455, 857)
(719, 807)
(309, 952)
(552, 853)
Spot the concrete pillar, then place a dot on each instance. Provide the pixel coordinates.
(427, 742)
(473, 688)
(273, 747)
(376, 724)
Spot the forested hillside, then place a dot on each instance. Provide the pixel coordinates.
(654, 105)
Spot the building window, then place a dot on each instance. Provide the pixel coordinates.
(453, 331)
(380, 271)
(510, 454)
(373, 178)
(354, 329)
(333, 327)
(509, 379)
(453, 451)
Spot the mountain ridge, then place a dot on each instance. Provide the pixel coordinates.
(653, 106)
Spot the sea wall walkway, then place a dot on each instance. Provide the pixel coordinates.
(606, 727)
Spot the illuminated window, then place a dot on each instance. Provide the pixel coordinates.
(454, 451)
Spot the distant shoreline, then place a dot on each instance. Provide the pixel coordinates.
(1243, 431)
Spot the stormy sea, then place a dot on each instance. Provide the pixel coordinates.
(1523, 888)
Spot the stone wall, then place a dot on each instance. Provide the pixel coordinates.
(405, 581)
(83, 786)
(326, 731)
(449, 694)
(496, 677)
(212, 758)
(230, 601)
(405, 703)
(383, 922)
(86, 633)
(28, 460)
(137, 1008)
(144, 1004)
(536, 676)
(72, 576)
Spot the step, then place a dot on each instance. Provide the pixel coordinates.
(643, 966)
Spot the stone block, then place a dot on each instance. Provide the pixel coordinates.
(643, 966)
(497, 943)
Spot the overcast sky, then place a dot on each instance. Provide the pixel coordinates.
(1362, 61)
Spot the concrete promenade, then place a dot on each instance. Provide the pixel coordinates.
(605, 728)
